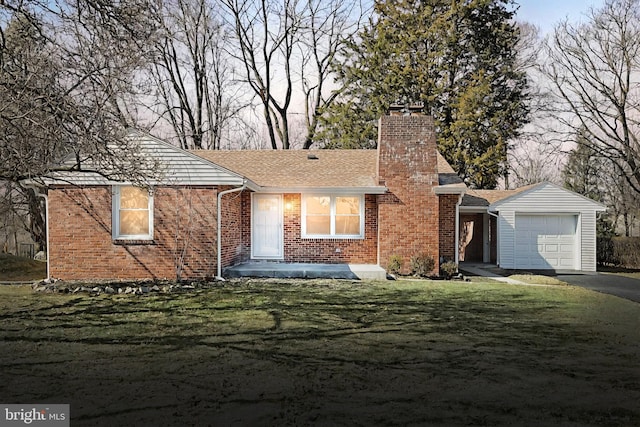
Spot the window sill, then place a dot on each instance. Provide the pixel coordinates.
(325, 237)
(131, 242)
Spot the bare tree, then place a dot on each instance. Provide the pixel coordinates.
(536, 154)
(266, 33)
(328, 25)
(533, 161)
(285, 42)
(64, 82)
(588, 173)
(623, 203)
(194, 74)
(66, 73)
(16, 220)
(594, 68)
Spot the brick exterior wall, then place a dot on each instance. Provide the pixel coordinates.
(245, 254)
(448, 226)
(184, 235)
(232, 227)
(408, 216)
(329, 251)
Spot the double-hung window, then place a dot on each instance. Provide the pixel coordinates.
(132, 213)
(333, 216)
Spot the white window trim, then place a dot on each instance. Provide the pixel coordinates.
(332, 235)
(115, 217)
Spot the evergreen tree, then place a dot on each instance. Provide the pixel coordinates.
(583, 169)
(584, 173)
(458, 59)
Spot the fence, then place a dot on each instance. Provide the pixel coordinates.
(27, 250)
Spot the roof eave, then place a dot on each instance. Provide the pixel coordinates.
(495, 206)
(474, 209)
(450, 189)
(93, 179)
(332, 190)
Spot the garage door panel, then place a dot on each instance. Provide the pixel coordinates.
(545, 241)
(566, 263)
(550, 248)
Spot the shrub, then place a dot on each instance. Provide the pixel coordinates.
(395, 264)
(605, 252)
(448, 269)
(626, 251)
(422, 265)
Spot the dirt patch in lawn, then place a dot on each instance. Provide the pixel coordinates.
(534, 278)
(538, 279)
(327, 353)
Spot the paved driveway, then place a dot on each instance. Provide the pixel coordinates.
(620, 286)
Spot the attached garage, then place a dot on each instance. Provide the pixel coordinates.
(546, 242)
(546, 227)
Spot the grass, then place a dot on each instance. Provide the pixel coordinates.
(19, 269)
(275, 352)
(633, 273)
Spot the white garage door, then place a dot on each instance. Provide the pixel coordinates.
(545, 242)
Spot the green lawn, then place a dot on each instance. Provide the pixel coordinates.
(275, 352)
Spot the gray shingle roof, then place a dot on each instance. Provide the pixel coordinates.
(313, 168)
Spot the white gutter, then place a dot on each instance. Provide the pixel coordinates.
(497, 217)
(332, 190)
(220, 194)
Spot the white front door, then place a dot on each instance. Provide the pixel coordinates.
(266, 226)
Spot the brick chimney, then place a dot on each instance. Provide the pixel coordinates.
(408, 215)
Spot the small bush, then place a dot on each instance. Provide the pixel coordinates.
(395, 264)
(448, 269)
(422, 265)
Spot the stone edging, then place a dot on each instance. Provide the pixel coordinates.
(131, 287)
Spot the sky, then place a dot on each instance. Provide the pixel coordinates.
(547, 13)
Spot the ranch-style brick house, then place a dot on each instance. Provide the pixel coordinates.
(216, 210)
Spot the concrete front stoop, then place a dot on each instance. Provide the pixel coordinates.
(306, 271)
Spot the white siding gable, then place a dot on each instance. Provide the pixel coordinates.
(182, 167)
(547, 197)
(177, 167)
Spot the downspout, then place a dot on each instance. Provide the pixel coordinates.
(497, 217)
(46, 221)
(220, 194)
(457, 232)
